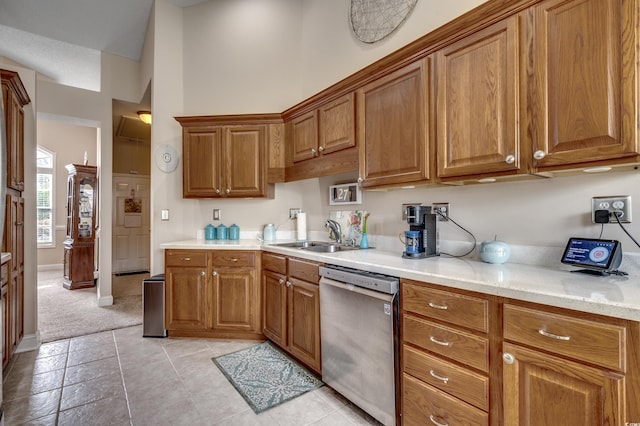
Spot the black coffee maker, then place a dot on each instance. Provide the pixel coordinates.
(422, 239)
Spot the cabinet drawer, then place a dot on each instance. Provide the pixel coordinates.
(451, 343)
(426, 405)
(275, 263)
(588, 341)
(458, 309)
(457, 381)
(234, 258)
(186, 258)
(304, 270)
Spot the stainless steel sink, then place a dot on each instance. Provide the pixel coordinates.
(330, 248)
(318, 246)
(303, 244)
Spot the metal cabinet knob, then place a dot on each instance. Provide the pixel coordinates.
(214, 273)
(281, 281)
(288, 283)
(217, 190)
(508, 358)
(228, 190)
(202, 273)
(539, 154)
(510, 159)
(360, 180)
(321, 148)
(314, 152)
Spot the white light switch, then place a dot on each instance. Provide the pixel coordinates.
(164, 214)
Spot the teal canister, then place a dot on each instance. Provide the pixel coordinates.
(234, 232)
(209, 232)
(221, 232)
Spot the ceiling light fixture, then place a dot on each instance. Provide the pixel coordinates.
(145, 116)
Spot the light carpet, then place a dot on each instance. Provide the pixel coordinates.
(265, 376)
(63, 313)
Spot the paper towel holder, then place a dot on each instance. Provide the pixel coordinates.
(345, 193)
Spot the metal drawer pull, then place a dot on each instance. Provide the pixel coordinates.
(439, 342)
(202, 273)
(553, 336)
(434, 306)
(186, 259)
(280, 281)
(508, 358)
(433, 420)
(214, 273)
(234, 259)
(435, 376)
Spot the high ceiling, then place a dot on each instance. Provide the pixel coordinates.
(62, 39)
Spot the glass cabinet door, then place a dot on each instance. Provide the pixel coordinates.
(85, 207)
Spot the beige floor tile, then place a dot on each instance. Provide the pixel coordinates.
(104, 412)
(31, 407)
(247, 418)
(50, 420)
(90, 354)
(26, 364)
(92, 370)
(303, 410)
(53, 348)
(91, 390)
(20, 386)
(104, 338)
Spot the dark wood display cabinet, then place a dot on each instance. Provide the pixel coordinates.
(81, 225)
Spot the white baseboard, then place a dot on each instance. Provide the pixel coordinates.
(29, 342)
(105, 301)
(53, 267)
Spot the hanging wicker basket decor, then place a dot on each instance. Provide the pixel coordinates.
(373, 20)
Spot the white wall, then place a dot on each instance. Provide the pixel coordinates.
(242, 56)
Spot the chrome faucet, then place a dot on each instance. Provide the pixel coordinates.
(334, 228)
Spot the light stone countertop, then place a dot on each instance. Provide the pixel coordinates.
(612, 296)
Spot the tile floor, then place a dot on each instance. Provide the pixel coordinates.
(120, 378)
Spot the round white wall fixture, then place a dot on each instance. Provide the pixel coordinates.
(166, 158)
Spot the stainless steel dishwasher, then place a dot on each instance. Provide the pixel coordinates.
(359, 321)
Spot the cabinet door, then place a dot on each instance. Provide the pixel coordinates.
(274, 307)
(186, 298)
(542, 389)
(337, 125)
(583, 82)
(304, 322)
(305, 136)
(14, 123)
(201, 155)
(235, 299)
(244, 161)
(392, 127)
(6, 355)
(477, 109)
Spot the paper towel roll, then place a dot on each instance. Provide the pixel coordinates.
(302, 226)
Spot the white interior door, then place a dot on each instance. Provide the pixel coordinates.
(131, 223)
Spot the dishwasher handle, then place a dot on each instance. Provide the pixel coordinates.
(360, 290)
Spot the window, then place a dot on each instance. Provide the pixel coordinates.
(45, 198)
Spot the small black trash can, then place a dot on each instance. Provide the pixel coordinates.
(153, 307)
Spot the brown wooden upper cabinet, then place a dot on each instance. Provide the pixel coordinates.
(15, 98)
(477, 103)
(321, 141)
(393, 116)
(581, 70)
(224, 160)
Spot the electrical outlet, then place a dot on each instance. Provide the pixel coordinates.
(442, 211)
(293, 213)
(216, 214)
(619, 205)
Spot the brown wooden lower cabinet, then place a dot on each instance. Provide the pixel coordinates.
(6, 315)
(212, 293)
(534, 365)
(291, 307)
